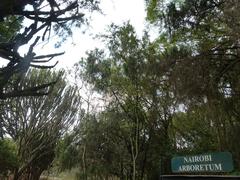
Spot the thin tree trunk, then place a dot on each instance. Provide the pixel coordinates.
(84, 163)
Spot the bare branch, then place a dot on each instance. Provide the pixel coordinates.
(49, 55)
(43, 67)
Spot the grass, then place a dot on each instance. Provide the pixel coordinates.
(67, 175)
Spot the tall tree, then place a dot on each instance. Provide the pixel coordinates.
(36, 123)
(132, 76)
(206, 60)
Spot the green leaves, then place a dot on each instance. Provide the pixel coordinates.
(8, 156)
(9, 28)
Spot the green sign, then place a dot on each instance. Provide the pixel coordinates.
(211, 162)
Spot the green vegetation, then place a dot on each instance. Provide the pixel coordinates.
(176, 95)
(8, 157)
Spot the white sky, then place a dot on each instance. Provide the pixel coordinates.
(115, 11)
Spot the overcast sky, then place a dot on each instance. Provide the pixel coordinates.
(115, 11)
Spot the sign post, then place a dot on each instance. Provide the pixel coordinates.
(211, 162)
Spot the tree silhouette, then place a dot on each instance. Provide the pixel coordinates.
(46, 17)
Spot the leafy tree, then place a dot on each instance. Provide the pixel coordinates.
(8, 158)
(206, 62)
(132, 77)
(66, 153)
(206, 29)
(9, 28)
(175, 95)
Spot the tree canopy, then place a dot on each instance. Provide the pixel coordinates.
(175, 95)
(147, 99)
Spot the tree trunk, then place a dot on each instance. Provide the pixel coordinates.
(84, 163)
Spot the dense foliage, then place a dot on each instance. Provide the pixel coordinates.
(8, 157)
(178, 94)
